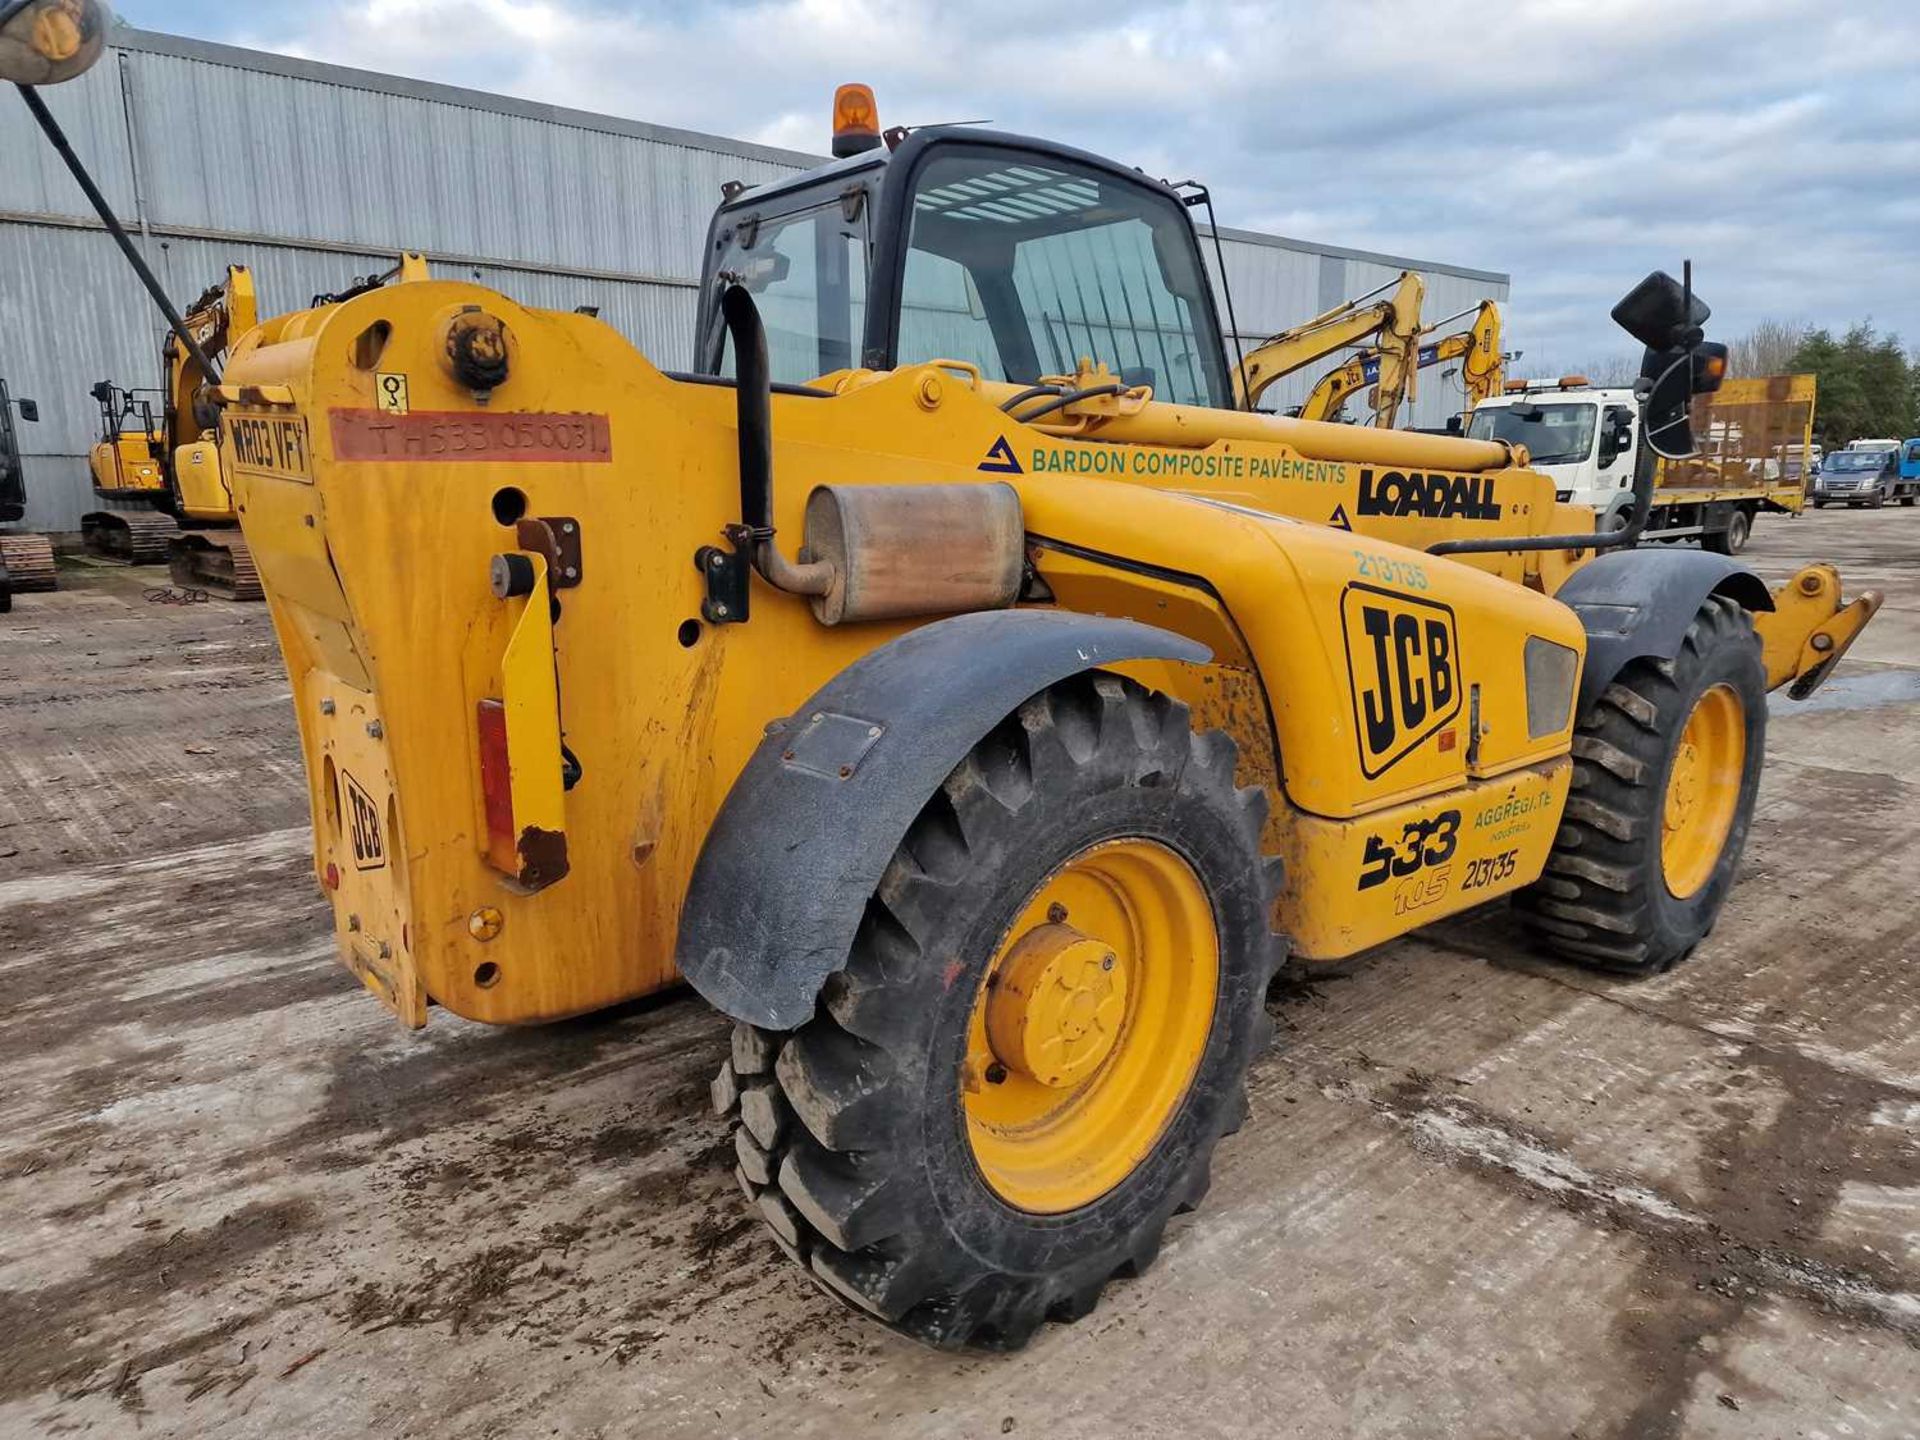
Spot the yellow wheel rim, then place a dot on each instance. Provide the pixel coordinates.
(1089, 1025)
(1703, 790)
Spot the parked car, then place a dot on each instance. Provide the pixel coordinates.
(1865, 476)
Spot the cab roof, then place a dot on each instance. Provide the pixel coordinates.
(908, 150)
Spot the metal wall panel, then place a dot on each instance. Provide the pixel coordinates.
(33, 179)
(312, 175)
(277, 155)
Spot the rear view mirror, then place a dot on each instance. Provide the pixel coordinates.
(1660, 315)
(757, 272)
(29, 410)
(47, 41)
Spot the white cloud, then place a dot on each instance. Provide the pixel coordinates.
(1572, 143)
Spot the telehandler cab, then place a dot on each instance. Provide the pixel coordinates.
(988, 812)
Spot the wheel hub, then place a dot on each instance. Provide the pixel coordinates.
(1057, 1005)
(1683, 789)
(1089, 1024)
(1703, 791)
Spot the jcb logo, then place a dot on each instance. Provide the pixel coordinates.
(363, 824)
(1403, 666)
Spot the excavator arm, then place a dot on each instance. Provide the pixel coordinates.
(1392, 323)
(221, 315)
(1477, 347)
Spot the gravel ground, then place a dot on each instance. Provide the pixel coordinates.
(1479, 1194)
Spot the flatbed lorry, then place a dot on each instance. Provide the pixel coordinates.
(1752, 432)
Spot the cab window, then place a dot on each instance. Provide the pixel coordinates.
(807, 273)
(1554, 434)
(1025, 265)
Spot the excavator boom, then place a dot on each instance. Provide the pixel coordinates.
(1477, 347)
(1392, 323)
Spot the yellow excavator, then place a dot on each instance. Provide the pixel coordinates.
(989, 810)
(1477, 348)
(1389, 317)
(157, 455)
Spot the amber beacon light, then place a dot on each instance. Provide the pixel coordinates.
(856, 120)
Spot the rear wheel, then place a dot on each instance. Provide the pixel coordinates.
(1666, 767)
(1043, 1028)
(1733, 539)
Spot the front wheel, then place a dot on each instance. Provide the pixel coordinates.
(1042, 1029)
(1666, 768)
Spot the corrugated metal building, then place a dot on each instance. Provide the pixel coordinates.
(314, 174)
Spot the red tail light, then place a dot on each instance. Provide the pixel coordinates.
(496, 787)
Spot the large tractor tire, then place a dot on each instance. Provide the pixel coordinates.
(1043, 1028)
(1666, 767)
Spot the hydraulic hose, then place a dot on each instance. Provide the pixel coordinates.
(1060, 402)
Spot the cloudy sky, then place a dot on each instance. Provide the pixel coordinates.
(1574, 144)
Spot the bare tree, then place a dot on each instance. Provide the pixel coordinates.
(1767, 349)
(1609, 372)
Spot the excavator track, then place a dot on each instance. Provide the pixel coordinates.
(28, 561)
(216, 560)
(128, 538)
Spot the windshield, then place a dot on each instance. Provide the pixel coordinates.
(1025, 265)
(807, 273)
(1856, 460)
(1553, 434)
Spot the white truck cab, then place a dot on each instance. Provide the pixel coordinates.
(1581, 435)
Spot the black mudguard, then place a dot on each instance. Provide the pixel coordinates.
(1637, 604)
(808, 828)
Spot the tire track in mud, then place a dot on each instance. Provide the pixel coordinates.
(137, 729)
(1758, 1236)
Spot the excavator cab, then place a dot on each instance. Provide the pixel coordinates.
(26, 561)
(13, 490)
(125, 460)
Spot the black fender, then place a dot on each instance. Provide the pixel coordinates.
(1637, 604)
(807, 830)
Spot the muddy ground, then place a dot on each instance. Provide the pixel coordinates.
(1480, 1193)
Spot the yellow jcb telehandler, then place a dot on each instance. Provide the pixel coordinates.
(989, 810)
